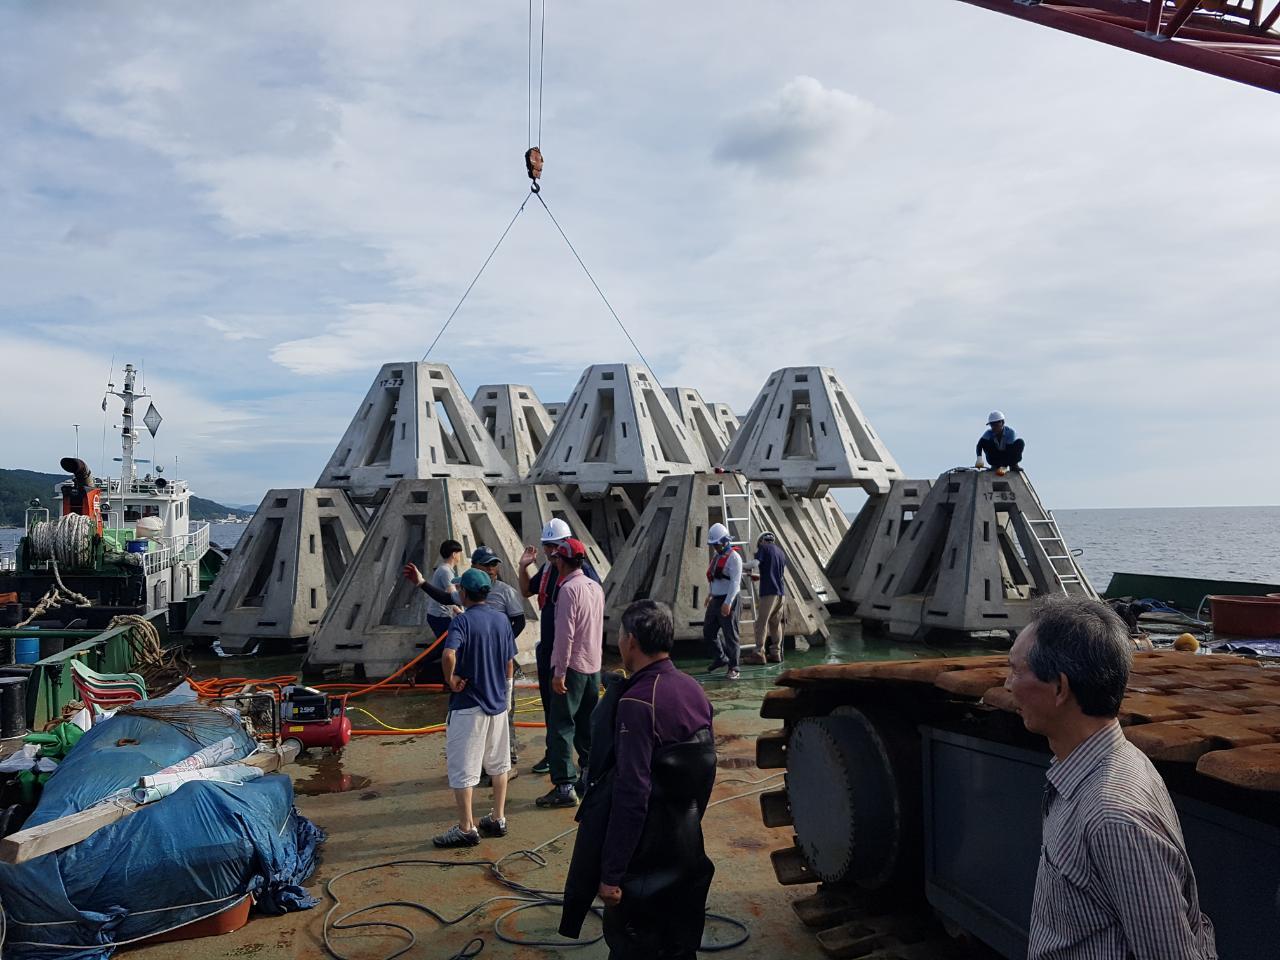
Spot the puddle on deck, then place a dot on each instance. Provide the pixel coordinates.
(327, 776)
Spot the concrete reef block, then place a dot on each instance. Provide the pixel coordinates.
(876, 530)
(805, 431)
(729, 421)
(377, 620)
(610, 518)
(975, 556)
(414, 423)
(283, 572)
(666, 557)
(617, 429)
(528, 507)
(699, 420)
(516, 420)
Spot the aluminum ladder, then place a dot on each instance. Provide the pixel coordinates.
(743, 524)
(1055, 549)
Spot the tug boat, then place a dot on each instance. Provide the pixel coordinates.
(118, 545)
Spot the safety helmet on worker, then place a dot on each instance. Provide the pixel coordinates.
(995, 416)
(768, 536)
(718, 534)
(555, 531)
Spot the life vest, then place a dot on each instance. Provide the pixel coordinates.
(718, 564)
(544, 584)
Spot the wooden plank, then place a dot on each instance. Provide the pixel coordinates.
(1164, 741)
(971, 683)
(1000, 698)
(781, 703)
(1254, 768)
(1146, 708)
(65, 831)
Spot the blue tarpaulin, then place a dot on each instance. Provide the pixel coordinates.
(183, 858)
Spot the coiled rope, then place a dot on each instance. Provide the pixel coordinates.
(67, 540)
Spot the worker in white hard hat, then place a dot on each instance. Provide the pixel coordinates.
(1000, 445)
(543, 586)
(724, 601)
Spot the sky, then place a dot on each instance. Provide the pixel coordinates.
(957, 211)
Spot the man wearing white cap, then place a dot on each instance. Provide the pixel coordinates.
(1000, 445)
(724, 601)
(543, 586)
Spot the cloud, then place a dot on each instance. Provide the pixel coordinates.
(803, 129)
(369, 335)
(231, 331)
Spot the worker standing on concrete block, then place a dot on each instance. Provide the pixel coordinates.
(503, 597)
(724, 602)
(1114, 879)
(771, 565)
(478, 663)
(543, 586)
(575, 673)
(1000, 445)
(653, 764)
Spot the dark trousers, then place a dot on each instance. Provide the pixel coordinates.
(641, 935)
(569, 724)
(438, 626)
(542, 653)
(1010, 456)
(721, 632)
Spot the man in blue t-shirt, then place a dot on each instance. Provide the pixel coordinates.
(1000, 445)
(478, 663)
(771, 568)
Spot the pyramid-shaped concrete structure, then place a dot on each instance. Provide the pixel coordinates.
(516, 420)
(979, 551)
(529, 506)
(414, 423)
(728, 420)
(377, 621)
(666, 557)
(610, 518)
(617, 429)
(700, 421)
(876, 530)
(286, 566)
(805, 431)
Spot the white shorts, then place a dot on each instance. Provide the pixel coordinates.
(474, 741)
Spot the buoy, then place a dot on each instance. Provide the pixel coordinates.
(1186, 643)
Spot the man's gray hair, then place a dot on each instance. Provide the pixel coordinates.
(1088, 643)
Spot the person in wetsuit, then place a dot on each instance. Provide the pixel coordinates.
(653, 764)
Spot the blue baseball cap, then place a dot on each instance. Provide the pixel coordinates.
(484, 557)
(474, 581)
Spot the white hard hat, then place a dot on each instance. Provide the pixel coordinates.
(993, 416)
(717, 534)
(555, 531)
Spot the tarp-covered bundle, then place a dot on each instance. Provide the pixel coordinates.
(183, 858)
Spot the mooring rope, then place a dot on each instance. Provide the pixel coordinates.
(67, 540)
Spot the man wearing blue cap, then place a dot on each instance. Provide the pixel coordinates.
(478, 663)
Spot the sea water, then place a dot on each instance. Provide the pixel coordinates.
(1220, 543)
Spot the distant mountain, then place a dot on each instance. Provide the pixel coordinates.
(18, 487)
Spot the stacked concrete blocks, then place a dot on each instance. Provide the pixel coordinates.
(610, 519)
(281, 575)
(805, 432)
(529, 506)
(876, 530)
(377, 620)
(617, 429)
(728, 420)
(516, 420)
(978, 552)
(415, 423)
(666, 558)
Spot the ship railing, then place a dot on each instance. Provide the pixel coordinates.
(8, 562)
(165, 552)
(116, 488)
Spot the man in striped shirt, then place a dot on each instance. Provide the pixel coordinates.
(1114, 881)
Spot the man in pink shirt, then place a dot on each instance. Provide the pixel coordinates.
(575, 671)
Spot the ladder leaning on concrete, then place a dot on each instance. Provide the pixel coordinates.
(1055, 548)
(742, 524)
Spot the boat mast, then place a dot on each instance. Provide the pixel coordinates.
(128, 436)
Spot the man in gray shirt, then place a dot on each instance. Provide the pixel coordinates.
(438, 615)
(1114, 881)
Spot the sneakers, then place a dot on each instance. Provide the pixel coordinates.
(561, 795)
(717, 664)
(455, 836)
(542, 767)
(754, 658)
(580, 787)
(491, 826)
(733, 674)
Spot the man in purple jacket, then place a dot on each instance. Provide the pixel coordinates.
(639, 847)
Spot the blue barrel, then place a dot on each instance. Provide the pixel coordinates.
(26, 649)
(135, 546)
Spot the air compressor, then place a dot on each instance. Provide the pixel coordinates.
(314, 718)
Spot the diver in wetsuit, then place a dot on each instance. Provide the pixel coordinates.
(652, 766)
